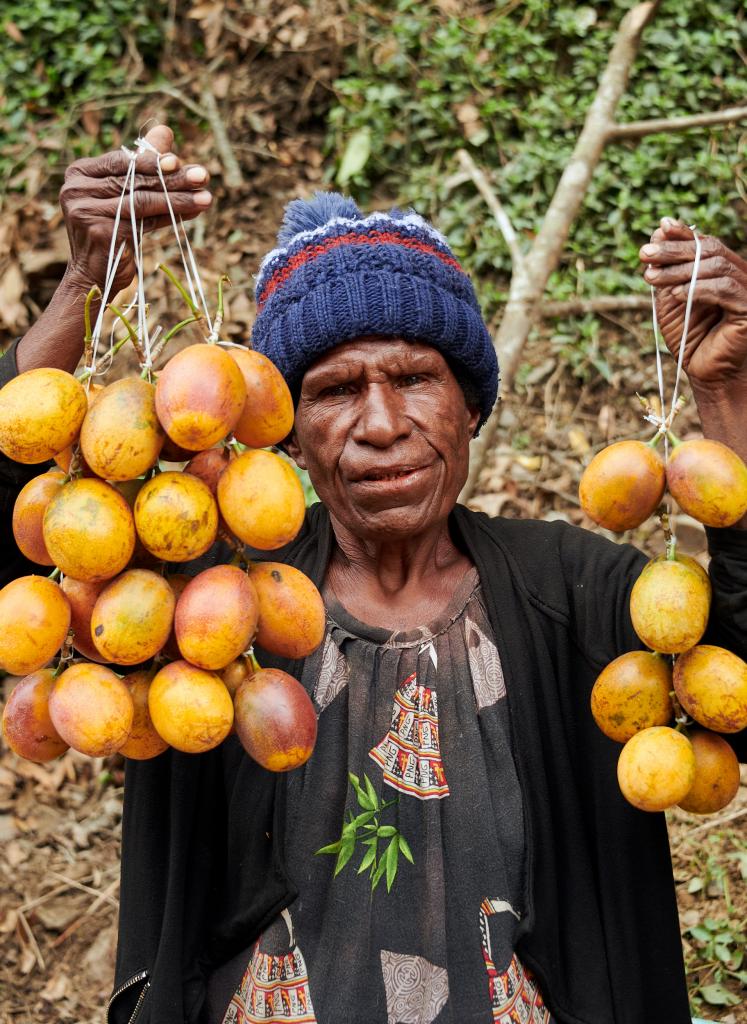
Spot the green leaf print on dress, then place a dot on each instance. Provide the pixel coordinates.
(382, 843)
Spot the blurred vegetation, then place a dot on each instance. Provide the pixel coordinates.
(419, 80)
(513, 84)
(58, 55)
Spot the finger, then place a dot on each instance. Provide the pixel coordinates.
(162, 137)
(675, 229)
(665, 252)
(146, 204)
(193, 177)
(116, 163)
(726, 292)
(681, 273)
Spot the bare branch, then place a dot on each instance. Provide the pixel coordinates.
(482, 185)
(232, 175)
(637, 129)
(595, 304)
(526, 289)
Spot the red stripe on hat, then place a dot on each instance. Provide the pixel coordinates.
(373, 238)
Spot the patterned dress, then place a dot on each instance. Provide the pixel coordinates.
(404, 837)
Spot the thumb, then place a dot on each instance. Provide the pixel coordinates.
(162, 137)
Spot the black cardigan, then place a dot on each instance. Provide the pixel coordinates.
(202, 868)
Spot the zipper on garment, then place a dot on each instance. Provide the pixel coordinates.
(140, 976)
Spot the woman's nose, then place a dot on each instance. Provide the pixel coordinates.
(381, 420)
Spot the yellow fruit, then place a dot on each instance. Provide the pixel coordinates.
(176, 517)
(291, 610)
(199, 396)
(631, 694)
(708, 481)
(143, 741)
(267, 416)
(28, 515)
(34, 620)
(82, 597)
(275, 720)
(262, 500)
(656, 769)
(92, 709)
(190, 708)
(669, 606)
(234, 674)
(41, 412)
(216, 617)
(622, 485)
(88, 530)
(121, 437)
(132, 617)
(716, 774)
(711, 685)
(27, 727)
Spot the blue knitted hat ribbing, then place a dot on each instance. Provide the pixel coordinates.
(337, 275)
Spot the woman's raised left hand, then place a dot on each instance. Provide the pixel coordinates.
(715, 358)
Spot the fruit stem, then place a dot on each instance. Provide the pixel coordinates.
(680, 718)
(253, 660)
(174, 330)
(55, 574)
(212, 338)
(130, 332)
(670, 540)
(654, 442)
(182, 290)
(673, 439)
(95, 293)
(66, 654)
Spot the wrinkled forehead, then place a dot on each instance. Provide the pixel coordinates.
(374, 354)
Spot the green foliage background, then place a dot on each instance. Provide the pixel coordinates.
(524, 70)
(530, 69)
(55, 55)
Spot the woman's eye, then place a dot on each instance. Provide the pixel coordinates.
(335, 391)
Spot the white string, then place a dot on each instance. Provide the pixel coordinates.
(191, 272)
(111, 267)
(664, 420)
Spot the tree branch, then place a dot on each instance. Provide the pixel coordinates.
(482, 185)
(637, 129)
(527, 287)
(595, 304)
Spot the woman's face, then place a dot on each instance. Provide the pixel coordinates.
(383, 429)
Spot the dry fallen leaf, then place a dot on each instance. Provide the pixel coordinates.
(578, 441)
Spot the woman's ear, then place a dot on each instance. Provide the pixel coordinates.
(293, 449)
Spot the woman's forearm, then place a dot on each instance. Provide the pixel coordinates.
(56, 339)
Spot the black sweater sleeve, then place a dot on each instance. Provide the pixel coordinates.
(13, 476)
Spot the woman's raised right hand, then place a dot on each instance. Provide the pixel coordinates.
(90, 196)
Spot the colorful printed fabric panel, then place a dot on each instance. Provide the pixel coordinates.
(406, 815)
(409, 754)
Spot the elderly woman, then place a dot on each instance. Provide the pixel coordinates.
(457, 848)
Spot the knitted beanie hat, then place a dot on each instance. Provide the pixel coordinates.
(337, 275)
